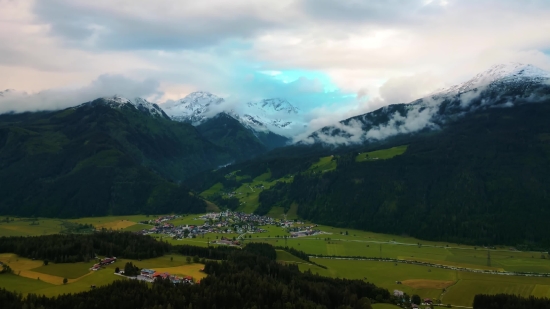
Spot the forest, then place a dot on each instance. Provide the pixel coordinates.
(70, 248)
(507, 301)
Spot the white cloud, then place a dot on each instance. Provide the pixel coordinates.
(105, 85)
(384, 51)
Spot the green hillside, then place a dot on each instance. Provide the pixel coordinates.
(225, 131)
(96, 160)
(482, 179)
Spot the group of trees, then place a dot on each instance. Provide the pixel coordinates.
(63, 248)
(131, 270)
(507, 301)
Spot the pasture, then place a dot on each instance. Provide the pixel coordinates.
(30, 227)
(65, 270)
(382, 154)
(112, 222)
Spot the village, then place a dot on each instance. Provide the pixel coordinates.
(227, 222)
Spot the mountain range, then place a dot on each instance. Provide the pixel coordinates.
(500, 86)
(474, 170)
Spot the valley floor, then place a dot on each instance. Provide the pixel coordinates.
(450, 286)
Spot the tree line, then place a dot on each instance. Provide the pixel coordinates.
(63, 248)
(508, 301)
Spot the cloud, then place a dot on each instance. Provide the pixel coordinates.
(158, 25)
(54, 99)
(342, 58)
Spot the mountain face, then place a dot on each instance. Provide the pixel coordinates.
(195, 108)
(263, 118)
(108, 156)
(501, 86)
(140, 104)
(227, 132)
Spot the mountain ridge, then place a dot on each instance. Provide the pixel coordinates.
(500, 86)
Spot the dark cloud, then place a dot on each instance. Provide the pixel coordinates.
(365, 12)
(105, 28)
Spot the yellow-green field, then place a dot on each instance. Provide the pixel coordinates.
(382, 154)
(33, 277)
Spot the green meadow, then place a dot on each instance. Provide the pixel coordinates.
(65, 270)
(325, 164)
(382, 154)
(29, 227)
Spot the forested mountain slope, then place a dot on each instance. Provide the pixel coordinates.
(95, 159)
(482, 178)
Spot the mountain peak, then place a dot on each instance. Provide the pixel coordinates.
(276, 105)
(140, 104)
(511, 72)
(193, 107)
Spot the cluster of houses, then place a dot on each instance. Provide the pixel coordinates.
(226, 241)
(401, 295)
(151, 275)
(160, 220)
(227, 222)
(105, 261)
(304, 231)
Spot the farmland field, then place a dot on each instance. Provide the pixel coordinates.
(65, 270)
(26, 273)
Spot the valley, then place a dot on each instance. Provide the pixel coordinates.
(347, 248)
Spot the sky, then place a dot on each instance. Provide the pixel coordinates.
(332, 59)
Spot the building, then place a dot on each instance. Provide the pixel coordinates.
(147, 272)
(107, 261)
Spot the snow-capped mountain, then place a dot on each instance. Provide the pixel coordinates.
(501, 86)
(501, 74)
(274, 114)
(139, 103)
(194, 108)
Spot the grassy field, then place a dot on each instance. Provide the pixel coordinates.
(138, 227)
(384, 306)
(382, 154)
(65, 270)
(284, 256)
(429, 282)
(23, 227)
(112, 222)
(325, 164)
